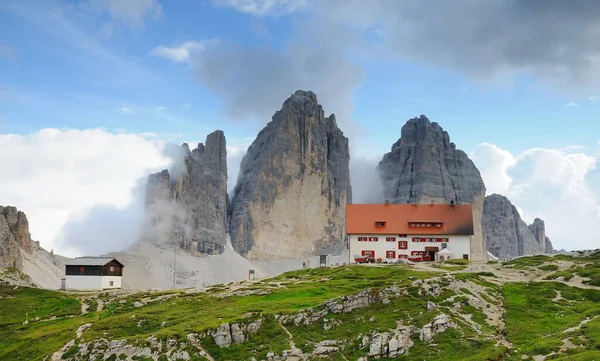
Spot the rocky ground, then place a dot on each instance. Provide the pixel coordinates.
(536, 308)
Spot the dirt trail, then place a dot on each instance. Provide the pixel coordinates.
(295, 350)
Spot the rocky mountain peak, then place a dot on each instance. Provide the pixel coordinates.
(538, 229)
(14, 237)
(293, 185)
(188, 204)
(424, 166)
(506, 234)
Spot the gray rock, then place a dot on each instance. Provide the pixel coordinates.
(538, 229)
(505, 232)
(293, 185)
(431, 306)
(222, 335)
(439, 324)
(235, 333)
(424, 166)
(14, 237)
(188, 204)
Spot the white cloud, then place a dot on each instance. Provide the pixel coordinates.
(160, 109)
(126, 110)
(181, 53)
(186, 105)
(263, 7)
(57, 176)
(594, 100)
(131, 12)
(559, 186)
(571, 105)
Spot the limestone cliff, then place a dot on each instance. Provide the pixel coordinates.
(189, 205)
(293, 185)
(424, 166)
(14, 237)
(18, 250)
(505, 233)
(538, 229)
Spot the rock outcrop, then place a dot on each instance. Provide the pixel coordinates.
(188, 204)
(14, 237)
(538, 228)
(505, 233)
(19, 251)
(424, 166)
(293, 185)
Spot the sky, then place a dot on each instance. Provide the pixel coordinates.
(94, 92)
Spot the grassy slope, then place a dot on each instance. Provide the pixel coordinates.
(531, 313)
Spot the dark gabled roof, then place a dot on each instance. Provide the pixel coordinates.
(91, 261)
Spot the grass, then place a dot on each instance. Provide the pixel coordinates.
(31, 341)
(527, 262)
(535, 323)
(590, 271)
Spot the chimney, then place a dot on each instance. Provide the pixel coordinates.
(432, 201)
(451, 203)
(387, 202)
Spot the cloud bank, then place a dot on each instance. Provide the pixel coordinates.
(562, 187)
(61, 176)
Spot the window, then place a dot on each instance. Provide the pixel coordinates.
(438, 225)
(402, 256)
(368, 253)
(403, 245)
(465, 256)
(111, 283)
(112, 268)
(81, 269)
(390, 254)
(373, 239)
(390, 239)
(428, 225)
(379, 224)
(402, 235)
(362, 239)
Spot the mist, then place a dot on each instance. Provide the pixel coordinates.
(107, 228)
(366, 184)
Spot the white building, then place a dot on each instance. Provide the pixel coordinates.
(93, 274)
(417, 232)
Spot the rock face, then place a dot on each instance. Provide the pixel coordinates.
(14, 237)
(18, 250)
(538, 228)
(424, 166)
(293, 185)
(505, 232)
(188, 204)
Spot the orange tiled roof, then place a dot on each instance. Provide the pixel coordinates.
(456, 219)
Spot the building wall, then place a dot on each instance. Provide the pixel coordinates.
(458, 245)
(106, 282)
(92, 283)
(84, 283)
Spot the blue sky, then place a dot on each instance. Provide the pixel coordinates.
(503, 83)
(69, 66)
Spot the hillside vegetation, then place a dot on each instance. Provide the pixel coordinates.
(536, 308)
